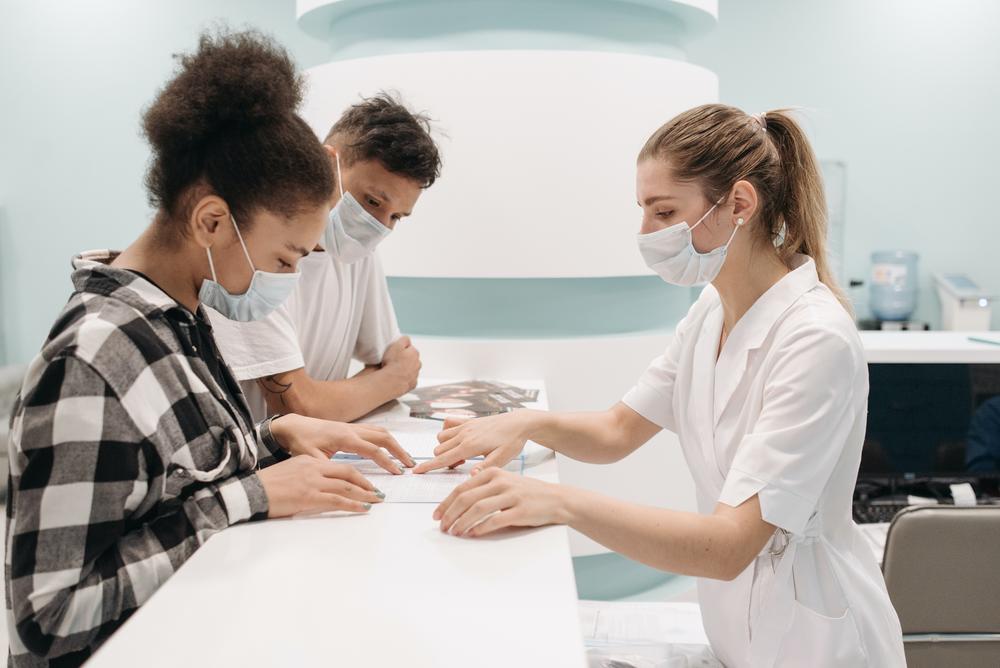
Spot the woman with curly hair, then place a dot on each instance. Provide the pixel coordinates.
(131, 443)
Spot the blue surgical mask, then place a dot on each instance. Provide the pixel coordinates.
(267, 290)
(353, 233)
(671, 254)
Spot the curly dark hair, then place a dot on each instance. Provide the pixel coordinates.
(227, 120)
(382, 128)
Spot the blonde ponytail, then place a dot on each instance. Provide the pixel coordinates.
(802, 204)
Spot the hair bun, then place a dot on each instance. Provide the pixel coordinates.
(235, 81)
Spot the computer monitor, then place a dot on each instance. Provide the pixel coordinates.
(933, 421)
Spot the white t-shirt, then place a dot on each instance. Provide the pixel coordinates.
(336, 312)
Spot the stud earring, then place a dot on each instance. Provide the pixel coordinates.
(739, 221)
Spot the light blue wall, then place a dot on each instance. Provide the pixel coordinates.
(904, 91)
(73, 79)
(907, 93)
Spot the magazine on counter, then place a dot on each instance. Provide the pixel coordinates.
(467, 399)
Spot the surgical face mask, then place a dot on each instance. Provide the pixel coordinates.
(671, 254)
(267, 290)
(353, 233)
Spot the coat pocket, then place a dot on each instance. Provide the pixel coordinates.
(819, 641)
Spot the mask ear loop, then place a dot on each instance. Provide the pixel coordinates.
(700, 220)
(242, 244)
(340, 179)
(736, 228)
(211, 265)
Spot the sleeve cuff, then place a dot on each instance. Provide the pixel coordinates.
(779, 507)
(245, 498)
(269, 368)
(650, 404)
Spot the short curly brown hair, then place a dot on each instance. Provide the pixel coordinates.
(382, 128)
(228, 120)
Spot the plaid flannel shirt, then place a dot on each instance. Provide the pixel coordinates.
(125, 456)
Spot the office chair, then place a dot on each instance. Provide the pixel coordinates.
(941, 569)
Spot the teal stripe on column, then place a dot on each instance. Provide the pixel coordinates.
(360, 28)
(611, 577)
(536, 307)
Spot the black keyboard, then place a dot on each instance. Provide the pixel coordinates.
(877, 511)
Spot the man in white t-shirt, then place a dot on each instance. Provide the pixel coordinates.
(297, 359)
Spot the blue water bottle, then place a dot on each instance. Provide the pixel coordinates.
(894, 284)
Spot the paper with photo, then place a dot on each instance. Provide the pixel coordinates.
(467, 399)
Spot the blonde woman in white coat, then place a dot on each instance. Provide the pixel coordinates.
(764, 382)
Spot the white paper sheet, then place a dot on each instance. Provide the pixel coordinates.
(419, 437)
(628, 622)
(645, 635)
(410, 487)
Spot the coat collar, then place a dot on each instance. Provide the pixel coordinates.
(756, 324)
(704, 380)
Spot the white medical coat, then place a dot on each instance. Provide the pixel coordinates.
(781, 414)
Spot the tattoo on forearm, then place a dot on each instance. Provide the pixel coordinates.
(272, 385)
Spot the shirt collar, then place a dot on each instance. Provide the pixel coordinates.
(93, 274)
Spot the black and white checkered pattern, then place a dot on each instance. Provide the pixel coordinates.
(125, 456)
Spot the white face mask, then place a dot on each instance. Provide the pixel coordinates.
(353, 233)
(267, 290)
(670, 253)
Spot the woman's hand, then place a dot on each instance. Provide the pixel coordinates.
(494, 498)
(304, 484)
(322, 439)
(500, 438)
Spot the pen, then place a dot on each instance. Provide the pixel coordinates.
(978, 340)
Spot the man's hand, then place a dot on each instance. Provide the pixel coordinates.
(401, 363)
